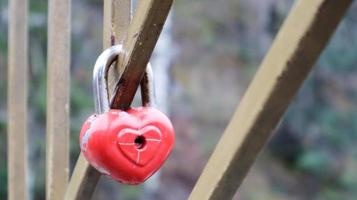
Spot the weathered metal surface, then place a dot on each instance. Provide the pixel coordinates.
(17, 100)
(139, 42)
(117, 14)
(296, 48)
(58, 82)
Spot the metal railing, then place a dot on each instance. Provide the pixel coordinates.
(297, 46)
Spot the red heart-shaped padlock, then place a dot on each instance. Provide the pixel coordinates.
(128, 145)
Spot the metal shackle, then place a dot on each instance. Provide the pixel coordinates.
(100, 85)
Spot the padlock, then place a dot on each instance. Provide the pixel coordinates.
(130, 145)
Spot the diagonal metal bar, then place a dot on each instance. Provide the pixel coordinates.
(297, 46)
(139, 42)
(83, 181)
(17, 100)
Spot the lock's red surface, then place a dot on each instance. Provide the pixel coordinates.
(129, 145)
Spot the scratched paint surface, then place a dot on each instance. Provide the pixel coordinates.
(128, 145)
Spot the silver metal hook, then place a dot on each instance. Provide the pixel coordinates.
(99, 84)
(100, 74)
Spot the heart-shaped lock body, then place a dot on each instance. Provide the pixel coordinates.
(129, 145)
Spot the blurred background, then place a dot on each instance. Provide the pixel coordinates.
(204, 61)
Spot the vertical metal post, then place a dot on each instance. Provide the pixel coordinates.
(116, 19)
(58, 92)
(17, 99)
(115, 22)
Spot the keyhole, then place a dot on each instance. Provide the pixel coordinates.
(140, 142)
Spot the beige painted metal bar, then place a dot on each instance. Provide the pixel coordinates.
(17, 100)
(115, 22)
(83, 181)
(58, 92)
(115, 26)
(139, 43)
(297, 46)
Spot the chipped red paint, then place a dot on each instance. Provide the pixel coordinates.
(130, 145)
